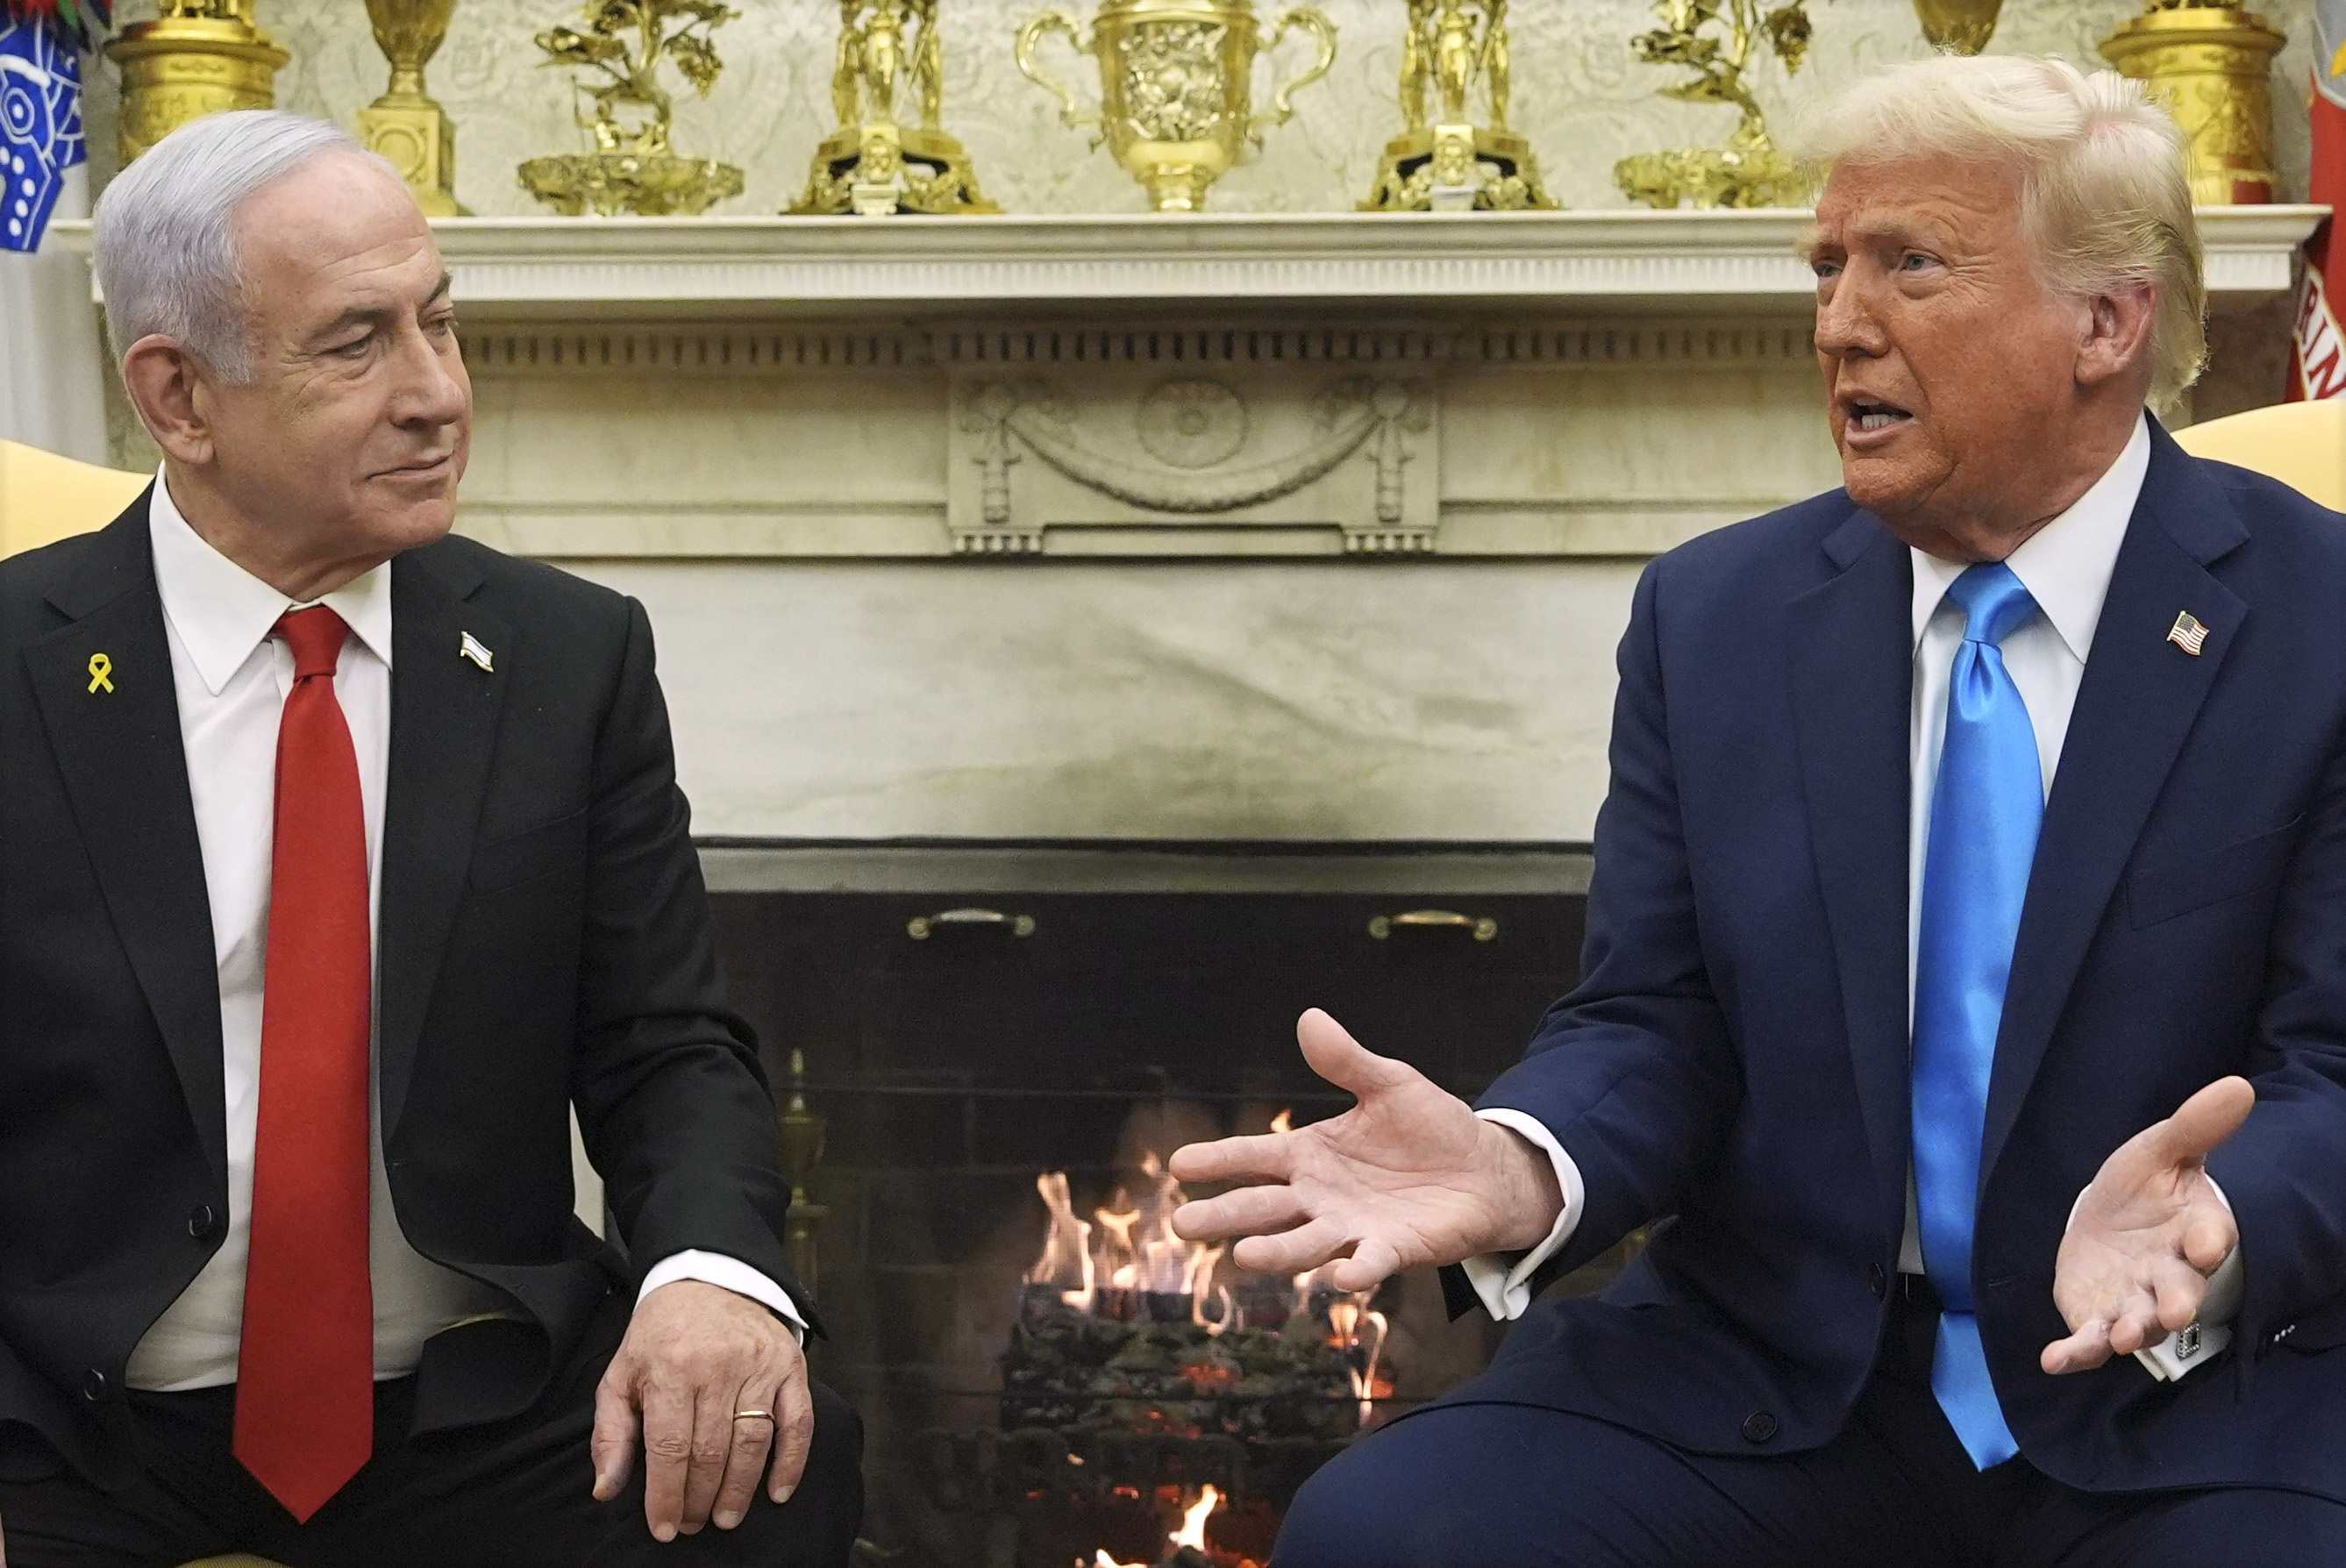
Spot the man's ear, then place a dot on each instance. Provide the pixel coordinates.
(2116, 341)
(162, 380)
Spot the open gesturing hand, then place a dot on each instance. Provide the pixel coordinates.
(2133, 1266)
(1410, 1176)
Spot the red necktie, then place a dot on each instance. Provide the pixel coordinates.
(305, 1387)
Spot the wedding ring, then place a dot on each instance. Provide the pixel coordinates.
(753, 1415)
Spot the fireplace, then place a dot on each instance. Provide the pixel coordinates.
(1005, 1040)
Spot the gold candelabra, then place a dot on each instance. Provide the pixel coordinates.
(633, 168)
(802, 1135)
(889, 50)
(1716, 40)
(1450, 50)
(2210, 66)
(405, 126)
(197, 58)
(1177, 85)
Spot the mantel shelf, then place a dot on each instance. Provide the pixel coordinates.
(1594, 261)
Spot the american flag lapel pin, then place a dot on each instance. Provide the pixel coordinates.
(472, 648)
(2187, 634)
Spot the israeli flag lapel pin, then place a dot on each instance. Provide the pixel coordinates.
(472, 648)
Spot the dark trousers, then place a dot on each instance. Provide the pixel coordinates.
(512, 1495)
(1511, 1486)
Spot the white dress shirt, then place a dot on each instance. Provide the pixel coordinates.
(2065, 566)
(232, 677)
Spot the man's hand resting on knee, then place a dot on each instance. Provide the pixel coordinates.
(1408, 1176)
(695, 1356)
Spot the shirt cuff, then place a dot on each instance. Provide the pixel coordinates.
(1506, 1287)
(730, 1274)
(2201, 1339)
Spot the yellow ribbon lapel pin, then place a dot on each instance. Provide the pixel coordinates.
(101, 673)
(472, 648)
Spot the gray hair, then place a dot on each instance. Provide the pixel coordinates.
(2105, 185)
(164, 230)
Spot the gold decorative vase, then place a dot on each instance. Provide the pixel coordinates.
(2210, 66)
(873, 163)
(633, 168)
(405, 126)
(1177, 85)
(197, 58)
(1444, 161)
(1958, 26)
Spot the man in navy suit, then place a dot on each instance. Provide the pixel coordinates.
(1964, 999)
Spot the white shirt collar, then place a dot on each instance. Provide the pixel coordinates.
(222, 612)
(2065, 565)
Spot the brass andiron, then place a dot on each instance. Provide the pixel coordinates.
(1177, 85)
(874, 163)
(802, 1131)
(1748, 171)
(1449, 164)
(2210, 65)
(633, 168)
(197, 58)
(1958, 26)
(411, 131)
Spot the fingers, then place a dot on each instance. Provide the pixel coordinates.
(669, 1437)
(1371, 1263)
(1344, 1061)
(1266, 1157)
(2203, 1122)
(745, 1460)
(2082, 1352)
(1246, 1211)
(713, 1429)
(795, 1439)
(1292, 1252)
(613, 1444)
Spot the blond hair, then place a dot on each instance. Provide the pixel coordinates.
(2105, 187)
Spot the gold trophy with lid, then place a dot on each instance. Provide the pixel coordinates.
(197, 57)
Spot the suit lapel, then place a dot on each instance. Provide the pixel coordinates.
(1852, 659)
(2135, 708)
(443, 726)
(124, 770)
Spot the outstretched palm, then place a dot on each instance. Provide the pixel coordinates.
(1410, 1176)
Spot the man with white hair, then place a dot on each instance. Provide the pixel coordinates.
(340, 860)
(1965, 1000)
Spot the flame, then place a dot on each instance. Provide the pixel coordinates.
(1066, 1246)
(1284, 1121)
(1105, 1560)
(1193, 1520)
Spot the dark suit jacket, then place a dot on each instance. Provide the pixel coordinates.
(542, 941)
(1737, 1053)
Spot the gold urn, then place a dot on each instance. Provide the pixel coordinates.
(198, 58)
(2210, 66)
(1177, 85)
(1958, 26)
(405, 126)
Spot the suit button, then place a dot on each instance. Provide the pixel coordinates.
(1758, 1426)
(201, 1220)
(93, 1385)
(1878, 1278)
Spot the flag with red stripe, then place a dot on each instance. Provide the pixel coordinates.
(2317, 363)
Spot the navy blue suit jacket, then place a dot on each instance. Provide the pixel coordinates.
(1736, 1056)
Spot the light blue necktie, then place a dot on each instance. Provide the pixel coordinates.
(1985, 815)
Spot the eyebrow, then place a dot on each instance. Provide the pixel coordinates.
(367, 315)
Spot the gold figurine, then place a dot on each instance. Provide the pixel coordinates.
(873, 163)
(2210, 66)
(633, 168)
(405, 126)
(195, 58)
(1177, 85)
(1451, 47)
(1748, 171)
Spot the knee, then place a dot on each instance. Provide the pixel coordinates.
(1369, 1507)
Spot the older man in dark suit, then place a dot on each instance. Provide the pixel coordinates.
(1964, 1002)
(339, 861)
